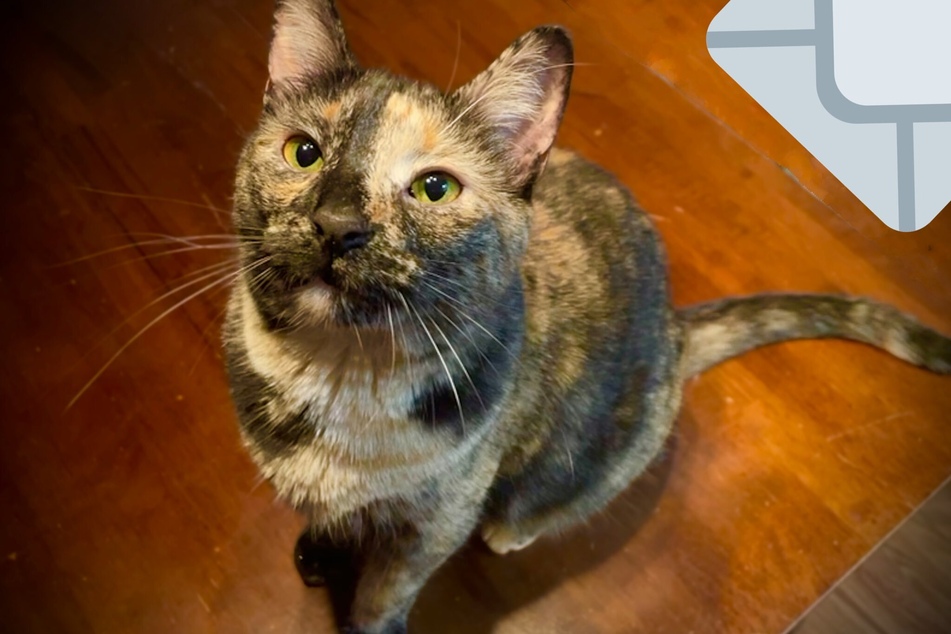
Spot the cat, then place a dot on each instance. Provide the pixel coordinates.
(444, 325)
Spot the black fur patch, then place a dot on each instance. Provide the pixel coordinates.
(490, 362)
(252, 394)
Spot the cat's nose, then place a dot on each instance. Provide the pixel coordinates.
(344, 231)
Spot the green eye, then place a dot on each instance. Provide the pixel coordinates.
(435, 188)
(301, 153)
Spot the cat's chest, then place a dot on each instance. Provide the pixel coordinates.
(341, 396)
(330, 377)
(355, 441)
(361, 447)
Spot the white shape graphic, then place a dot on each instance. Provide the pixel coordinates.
(892, 52)
(756, 15)
(860, 84)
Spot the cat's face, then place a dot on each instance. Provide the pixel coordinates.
(362, 195)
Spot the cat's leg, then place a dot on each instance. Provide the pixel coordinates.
(539, 514)
(572, 479)
(401, 562)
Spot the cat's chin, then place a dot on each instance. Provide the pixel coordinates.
(321, 304)
(318, 303)
(316, 300)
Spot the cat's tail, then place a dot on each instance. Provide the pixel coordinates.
(720, 330)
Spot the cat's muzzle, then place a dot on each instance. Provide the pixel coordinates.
(339, 232)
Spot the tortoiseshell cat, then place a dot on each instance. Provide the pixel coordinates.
(445, 325)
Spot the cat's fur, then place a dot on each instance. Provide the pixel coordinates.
(507, 362)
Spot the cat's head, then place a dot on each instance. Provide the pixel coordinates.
(361, 193)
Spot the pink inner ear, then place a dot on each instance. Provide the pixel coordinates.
(538, 135)
(304, 44)
(284, 63)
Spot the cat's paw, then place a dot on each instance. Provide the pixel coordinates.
(501, 539)
(318, 559)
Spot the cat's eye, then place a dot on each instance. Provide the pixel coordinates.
(302, 153)
(435, 188)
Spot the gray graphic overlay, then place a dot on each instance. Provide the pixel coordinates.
(902, 116)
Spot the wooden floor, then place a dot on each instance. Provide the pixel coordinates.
(137, 511)
(902, 586)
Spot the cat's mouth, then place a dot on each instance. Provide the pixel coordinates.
(341, 295)
(306, 283)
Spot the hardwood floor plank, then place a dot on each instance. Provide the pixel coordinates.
(904, 585)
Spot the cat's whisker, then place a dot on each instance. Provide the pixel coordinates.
(442, 361)
(232, 261)
(253, 265)
(399, 322)
(455, 63)
(571, 64)
(464, 112)
(466, 334)
(192, 273)
(162, 254)
(215, 270)
(185, 239)
(389, 318)
(162, 199)
(227, 278)
(476, 102)
(571, 461)
(232, 239)
(204, 335)
(452, 349)
(99, 254)
(168, 240)
(466, 289)
(262, 275)
(462, 313)
(200, 240)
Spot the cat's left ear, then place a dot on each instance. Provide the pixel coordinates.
(308, 42)
(522, 97)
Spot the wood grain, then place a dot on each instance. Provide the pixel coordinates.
(137, 511)
(904, 585)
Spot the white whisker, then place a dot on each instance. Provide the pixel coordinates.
(227, 278)
(216, 269)
(464, 112)
(164, 240)
(465, 333)
(442, 361)
(162, 199)
(490, 93)
(389, 318)
(462, 313)
(458, 360)
(455, 63)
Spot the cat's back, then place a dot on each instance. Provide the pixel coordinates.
(577, 191)
(595, 278)
(602, 338)
(581, 198)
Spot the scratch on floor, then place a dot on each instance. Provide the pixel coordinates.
(858, 428)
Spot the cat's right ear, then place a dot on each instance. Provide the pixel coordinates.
(521, 97)
(308, 42)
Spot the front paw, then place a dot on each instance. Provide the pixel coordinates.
(319, 560)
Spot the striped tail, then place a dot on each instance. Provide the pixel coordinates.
(723, 329)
